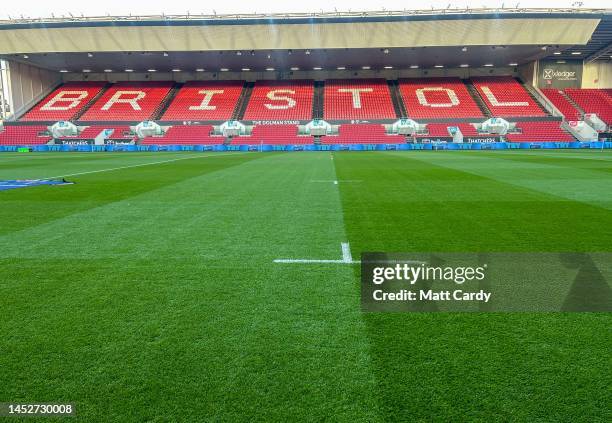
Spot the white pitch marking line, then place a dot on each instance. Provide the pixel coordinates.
(346, 253)
(347, 258)
(336, 181)
(140, 165)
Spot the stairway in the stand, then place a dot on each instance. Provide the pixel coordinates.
(243, 101)
(531, 93)
(396, 98)
(477, 98)
(573, 103)
(317, 101)
(91, 102)
(165, 103)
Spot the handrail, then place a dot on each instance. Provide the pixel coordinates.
(293, 15)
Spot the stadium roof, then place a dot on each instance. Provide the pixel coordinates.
(321, 17)
(599, 46)
(424, 38)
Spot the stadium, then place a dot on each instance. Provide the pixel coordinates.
(191, 206)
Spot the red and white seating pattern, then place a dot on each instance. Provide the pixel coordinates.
(362, 134)
(64, 102)
(358, 99)
(128, 101)
(274, 135)
(506, 97)
(540, 132)
(211, 100)
(593, 101)
(557, 98)
(438, 98)
(24, 135)
(187, 135)
(281, 100)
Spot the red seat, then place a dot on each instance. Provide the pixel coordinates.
(362, 134)
(209, 100)
(436, 130)
(281, 100)
(274, 135)
(557, 98)
(358, 99)
(128, 101)
(91, 132)
(24, 135)
(593, 101)
(427, 98)
(186, 135)
(506, 97)
(540, 132)
(64, 102)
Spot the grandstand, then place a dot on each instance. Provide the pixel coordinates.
(208, 103)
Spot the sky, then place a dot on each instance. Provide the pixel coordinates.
(41, 8)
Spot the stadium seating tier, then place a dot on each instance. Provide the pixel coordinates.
(128, 101)
(506, 97)
(593, 101)
(358, 99)
(281, 100)
(562, 103)
(210, 100)
(24, 135)
(540, 132)
(427, 98)
(64, 102)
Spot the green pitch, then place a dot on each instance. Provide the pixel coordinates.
(147, 291)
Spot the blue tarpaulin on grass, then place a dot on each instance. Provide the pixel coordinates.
(24, 183)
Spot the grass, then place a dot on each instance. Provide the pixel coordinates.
(149, 293)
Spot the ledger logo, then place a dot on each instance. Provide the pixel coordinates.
(548, 73)
(559, 75)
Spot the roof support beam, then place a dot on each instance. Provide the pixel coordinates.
(607, 50)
